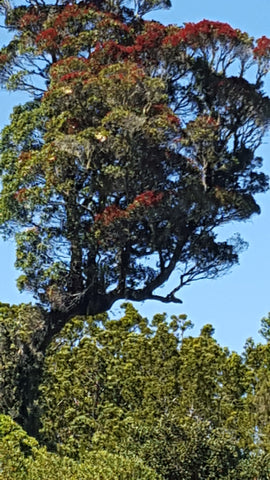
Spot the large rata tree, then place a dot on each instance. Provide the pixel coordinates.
(137, 143)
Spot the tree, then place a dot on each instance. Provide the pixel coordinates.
(22, 459)
(138, 143)
(258, 361)
(133, 387)
(21, 362)
(135, 398)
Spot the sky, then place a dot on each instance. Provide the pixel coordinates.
(235, 303)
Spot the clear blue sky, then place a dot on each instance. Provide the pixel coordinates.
(235, 303)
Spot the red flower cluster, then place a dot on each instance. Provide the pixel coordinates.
(146, 199)
(263, 47)
(72, 76)
(207, 27)
(173, 119)
(158, 107)
(151, 38)
(20, 194)
(130, 76)
(29, 19)
(193, 32)
(110, 214)
(111, 49)
(69, 12)
(24, 156)
(3, 58)
(48, 38)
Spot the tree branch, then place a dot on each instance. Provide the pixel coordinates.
(168, 299)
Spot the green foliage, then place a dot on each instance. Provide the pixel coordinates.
(138, 388)
(21, 458)
(258, 361)
(21, 332)
(128, 398)
(15, 448)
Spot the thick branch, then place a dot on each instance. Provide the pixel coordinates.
(168, 299)
(91, 303)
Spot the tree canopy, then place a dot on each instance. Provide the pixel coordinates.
(138, 141)
(135, 398)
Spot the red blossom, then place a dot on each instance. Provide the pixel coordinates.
(263, 47)
(20, 194)
(159, 107)
(24, 156)
(29, 19)
(173, 119)
(110, 49)
(72, 76)
(3, 58)
(110, 214)
(146, 199)
(151, 37)
(69, 13)
(47, 37)
(193, 32)
(128, 50)
(210, 29)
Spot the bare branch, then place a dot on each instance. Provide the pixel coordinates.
(168, 299)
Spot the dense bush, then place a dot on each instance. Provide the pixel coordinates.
(21, 458)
